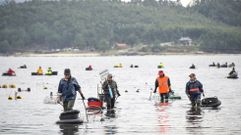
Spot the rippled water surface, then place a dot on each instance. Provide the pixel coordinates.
(135, 113)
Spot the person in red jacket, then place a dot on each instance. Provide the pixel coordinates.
(11, 72)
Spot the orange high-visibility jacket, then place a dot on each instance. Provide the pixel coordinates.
(163, 84)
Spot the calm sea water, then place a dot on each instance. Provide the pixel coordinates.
(136, 114)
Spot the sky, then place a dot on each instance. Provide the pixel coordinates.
(184, 2)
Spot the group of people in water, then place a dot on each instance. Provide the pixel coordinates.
(69, 87)
(194, 88)
(233, 74)
(40, 71)
(225, 65)
(11, 72)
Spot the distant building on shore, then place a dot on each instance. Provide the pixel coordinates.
(187, 41)
(120, 46)
(167, 44)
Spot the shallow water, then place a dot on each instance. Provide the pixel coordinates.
(135, 113)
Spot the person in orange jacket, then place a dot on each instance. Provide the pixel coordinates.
(164, 85)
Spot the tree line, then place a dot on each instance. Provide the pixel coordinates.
(99, 24)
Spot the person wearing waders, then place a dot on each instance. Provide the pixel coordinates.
(68, 87)
(110, 92)
(194, 88)
(164, 85)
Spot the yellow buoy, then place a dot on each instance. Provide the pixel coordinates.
(10, 98)
(12, 86)
(18, 97)
(161, 65)
(5, 86)
(118, 65)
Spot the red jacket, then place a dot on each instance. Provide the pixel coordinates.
(11, 72)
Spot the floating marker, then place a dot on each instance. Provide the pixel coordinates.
(102, 119)
(10, 98)
(18, 97)
(12, 86)
(20, 90)
(5, 86)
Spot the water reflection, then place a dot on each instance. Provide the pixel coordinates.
(110, 129)
(194, 118)
(69, 129)
(163, 117)
(194, 115)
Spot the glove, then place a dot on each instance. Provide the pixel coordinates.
(82, 96)
(172, 92)
(118, 94)
(58, 99)
(203, 95)
(154, 91)
(188, 96)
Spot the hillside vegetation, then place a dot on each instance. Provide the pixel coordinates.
(99, 24)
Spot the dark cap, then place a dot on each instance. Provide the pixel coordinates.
(67, 71)
(160, 72)
(109, 76)
(192, 75)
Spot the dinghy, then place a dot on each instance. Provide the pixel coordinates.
(233, 76)
(6, 74)
(23, 67)
(192, 67)
(173, 95)
(210, 102)
(70, 117)
(53, 73)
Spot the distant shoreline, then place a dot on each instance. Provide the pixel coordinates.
(99, 54)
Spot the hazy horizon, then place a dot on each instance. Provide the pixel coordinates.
(184, 2)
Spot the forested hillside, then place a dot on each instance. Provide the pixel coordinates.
(98, 24)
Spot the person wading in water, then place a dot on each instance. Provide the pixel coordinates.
(194, 88)
(67, 90)
(110, 92)
(164, 85)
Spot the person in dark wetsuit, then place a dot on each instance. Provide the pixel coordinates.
(232, 72)
(110, 92)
